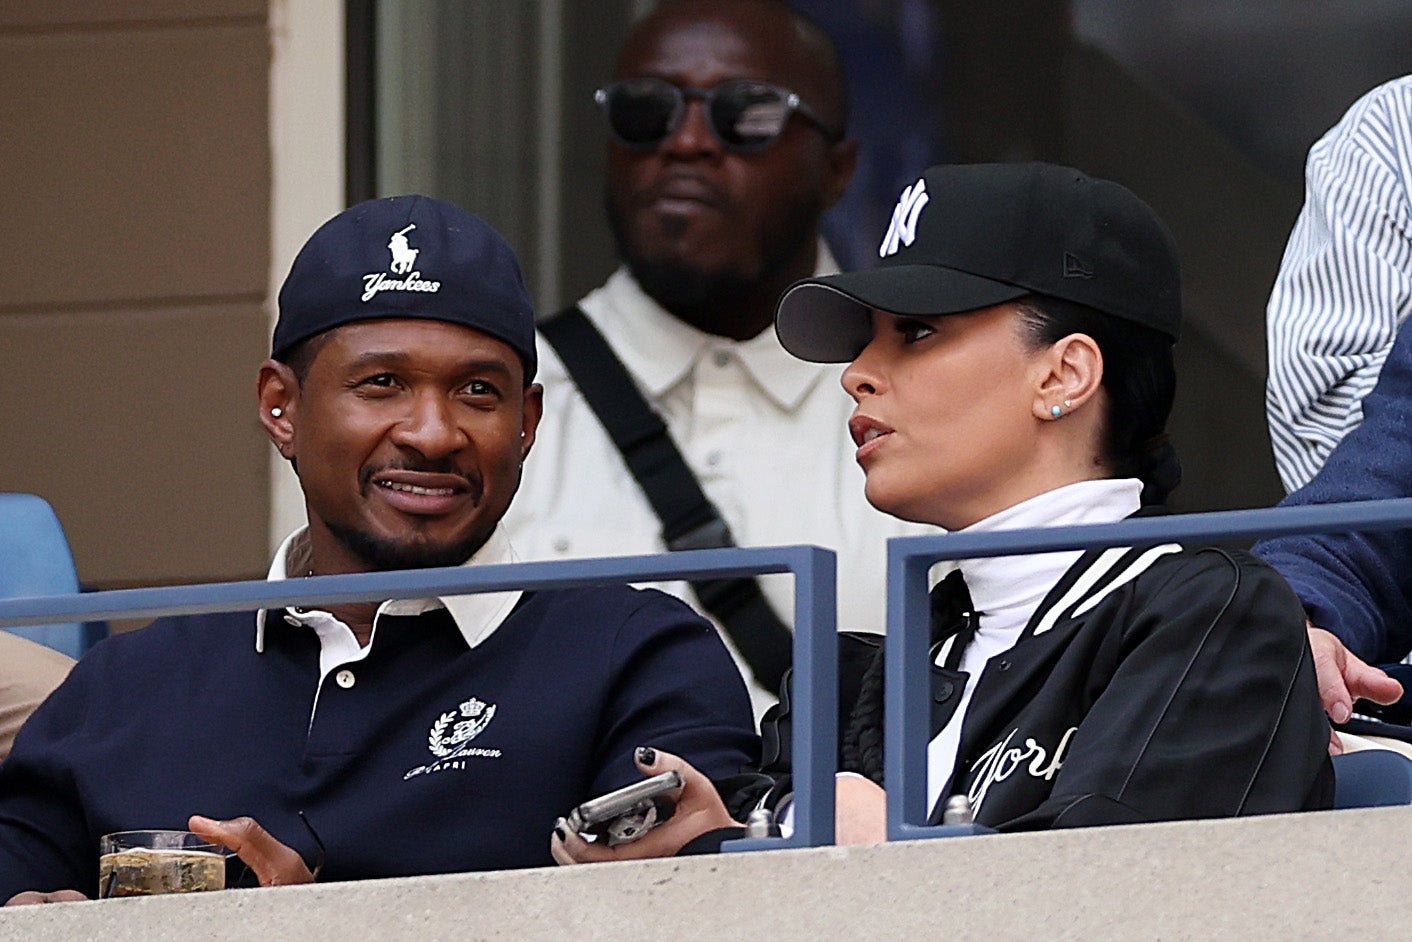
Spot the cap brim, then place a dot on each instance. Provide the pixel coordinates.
(828, 320)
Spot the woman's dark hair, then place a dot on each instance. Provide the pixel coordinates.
(1140, 379)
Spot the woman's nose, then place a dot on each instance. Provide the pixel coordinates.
(862, 377)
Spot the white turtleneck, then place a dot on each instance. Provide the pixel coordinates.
(1006, 590)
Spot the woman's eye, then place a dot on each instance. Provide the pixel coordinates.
(912, 331)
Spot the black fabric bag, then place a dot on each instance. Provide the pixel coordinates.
(689, 519)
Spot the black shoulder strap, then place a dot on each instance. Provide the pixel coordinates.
(689, 519)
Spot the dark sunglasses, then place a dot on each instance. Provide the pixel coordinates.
(745, 116)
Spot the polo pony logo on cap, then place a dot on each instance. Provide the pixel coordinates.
(903, 228)
(404, 260)
(403, 255)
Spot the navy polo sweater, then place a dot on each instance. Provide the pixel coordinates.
(427, 757)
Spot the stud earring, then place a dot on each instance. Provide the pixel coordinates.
(276, 412)
(1056, 411)
(1068, 403)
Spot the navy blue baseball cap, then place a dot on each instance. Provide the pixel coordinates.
(965, 237)
(407, 256)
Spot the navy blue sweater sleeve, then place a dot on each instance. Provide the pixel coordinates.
(1359, 585)
(674, 687)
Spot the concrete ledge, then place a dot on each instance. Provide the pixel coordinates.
(1335, 874)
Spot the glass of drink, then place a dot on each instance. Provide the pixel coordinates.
(145, 863)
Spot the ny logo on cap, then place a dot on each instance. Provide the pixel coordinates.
(903, 228)
(403, 255)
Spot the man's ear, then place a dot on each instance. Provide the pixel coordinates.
(533, 412)
(843, 161)
(1070, 374)
(277, 391)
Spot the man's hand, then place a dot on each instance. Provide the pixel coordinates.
(1344, 678)
(699, 810)
(274, 864)
(33, 897)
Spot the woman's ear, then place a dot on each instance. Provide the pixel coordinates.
(277, 391)
(1071, 373)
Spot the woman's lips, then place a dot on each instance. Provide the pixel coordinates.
(868, 434)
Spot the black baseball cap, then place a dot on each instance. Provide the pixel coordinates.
(407, 256)
(969, 236)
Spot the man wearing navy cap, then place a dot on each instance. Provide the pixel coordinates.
(367, 740)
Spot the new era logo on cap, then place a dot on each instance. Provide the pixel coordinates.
(903, 228)
(1075, 267)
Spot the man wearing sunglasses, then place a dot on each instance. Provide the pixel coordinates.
(726, 125)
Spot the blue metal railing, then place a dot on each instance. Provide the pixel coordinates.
(815, 635)
(815, 685)
(909, 559)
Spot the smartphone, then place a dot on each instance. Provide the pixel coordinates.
(626, 814)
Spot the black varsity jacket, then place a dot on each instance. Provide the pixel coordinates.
(1150, 684)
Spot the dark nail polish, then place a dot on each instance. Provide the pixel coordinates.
(560, 833)
(646, 755)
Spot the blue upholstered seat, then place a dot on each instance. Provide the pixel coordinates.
(35, 560)
(1372, 778)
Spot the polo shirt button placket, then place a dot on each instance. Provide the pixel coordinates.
(345, 678)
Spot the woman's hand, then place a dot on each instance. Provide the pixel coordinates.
(699, 810)
(860, 810)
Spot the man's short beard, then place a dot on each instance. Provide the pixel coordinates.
(384, 555)
(692, 293)
(688, 291)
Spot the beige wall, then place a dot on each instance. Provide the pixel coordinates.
(135, 228)
(307, 144)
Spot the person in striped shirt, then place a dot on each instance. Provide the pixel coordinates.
(1345, 284)
(1340, 300)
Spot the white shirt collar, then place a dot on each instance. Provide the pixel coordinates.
(477, 616)
(661, 350)
(1005, 583)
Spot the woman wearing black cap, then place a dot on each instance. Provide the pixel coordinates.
(1011, 361)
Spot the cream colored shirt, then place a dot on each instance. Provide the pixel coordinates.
(29, 672)
(765, 433)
